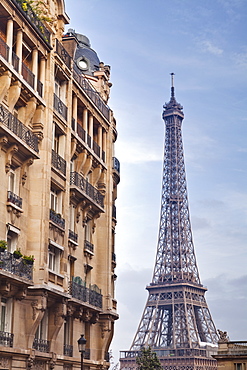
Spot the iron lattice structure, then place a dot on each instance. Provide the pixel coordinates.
(176, 322)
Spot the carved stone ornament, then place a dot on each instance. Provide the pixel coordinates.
(39, 305)
(223, 336)
(5, 362)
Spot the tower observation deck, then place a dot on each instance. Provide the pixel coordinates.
(176, 322)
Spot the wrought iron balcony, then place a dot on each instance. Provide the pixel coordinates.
(116, 164)
(68, 350)
(40, 88)
(57, 219)
(85, 187)
(60, 107)
(73, 236)
(96, 148)
(4, 50)
(84, 294)
(33, 19)
(15, 126)
(62, 52)
(95, 298)
(41, 345)
(15, 61)
(58, 162)
(113, 257)
(14, 199)
(114, 211)
(6, 339)
(81, 133)
(28, 75)
(15, 266)
(91, 92)
(88, 247)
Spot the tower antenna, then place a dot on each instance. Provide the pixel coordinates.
(172, 84)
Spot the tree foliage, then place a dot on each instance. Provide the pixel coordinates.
(148, 360)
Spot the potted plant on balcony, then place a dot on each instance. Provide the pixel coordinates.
(28, 260)
(17, 254)
(3, 245)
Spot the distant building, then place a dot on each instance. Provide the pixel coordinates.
(231, 355)
(58, 189)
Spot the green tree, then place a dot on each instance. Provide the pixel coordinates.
(148, 360)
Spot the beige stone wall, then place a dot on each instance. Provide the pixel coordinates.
(57, 196)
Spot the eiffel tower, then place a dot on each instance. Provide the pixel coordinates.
(176, 321)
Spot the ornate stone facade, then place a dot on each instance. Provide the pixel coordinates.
(58, 189)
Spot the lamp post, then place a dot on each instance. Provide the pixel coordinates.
(81, 347)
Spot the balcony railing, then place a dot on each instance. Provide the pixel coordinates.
(58, 162)
(88, 246)
(57, 219)
(15, 61)
(40, 88)
(85, 294)
(68, 350)
(73, 236)
(31, 16)
(27, 75)
(113, 258)
(4, 50)
(62, 52)
(114, 211)
(91, 92)
(116, 164)
(88, 189)
(41, 345)
(6, 339)
(15, 266)
(60, 107)
(81, 132)
(14, 199)
(96, 149)
(14, 125)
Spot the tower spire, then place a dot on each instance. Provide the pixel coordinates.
(172, 85)
(176, 321)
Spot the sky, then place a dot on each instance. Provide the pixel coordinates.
(204, 43)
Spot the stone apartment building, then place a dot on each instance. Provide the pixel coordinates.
(58, 186)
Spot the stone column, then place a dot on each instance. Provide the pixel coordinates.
(42, 66)
(90, 127)
(74, 111)
(84, 120)
(35, 66)
(104, 144)
(100, 139)
(9, 38)
(19, 38)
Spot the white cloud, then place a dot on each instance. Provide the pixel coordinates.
(208, 46)
(137, 152)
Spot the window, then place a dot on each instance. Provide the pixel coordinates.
(12, 238)
(88, 230)
(54, 256)
(11, 186)
(68, 348)
(5, 314)
(41, 332)
(60, 89)
(239, 366)
(40, 340)
(56, 200)
(58, 140)
(54, 259)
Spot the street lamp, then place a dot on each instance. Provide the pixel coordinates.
(81, 347)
